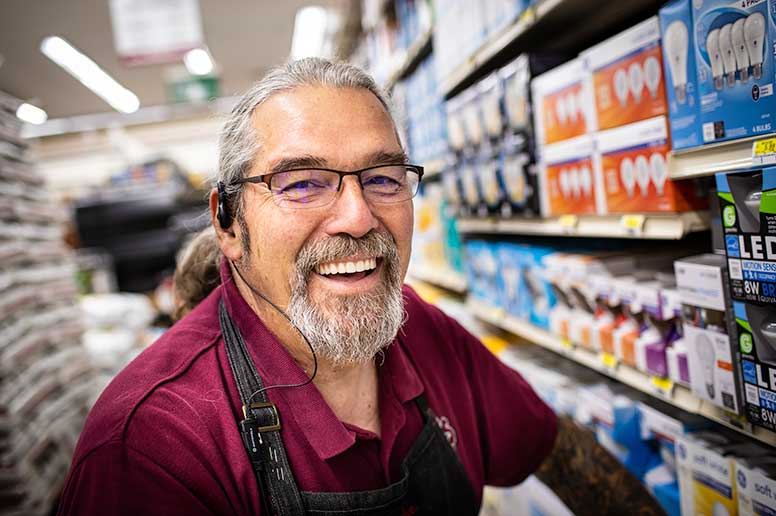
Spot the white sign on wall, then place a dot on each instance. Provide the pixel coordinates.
(155, 31)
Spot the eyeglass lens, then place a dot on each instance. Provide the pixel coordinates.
(310, 188)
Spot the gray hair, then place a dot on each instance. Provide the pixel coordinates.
(239, 143)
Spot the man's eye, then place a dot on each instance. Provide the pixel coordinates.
(302, 186)
(382, 181)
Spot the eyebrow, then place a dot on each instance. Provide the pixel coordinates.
(310, 161)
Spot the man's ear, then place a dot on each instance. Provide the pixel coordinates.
(229, 239)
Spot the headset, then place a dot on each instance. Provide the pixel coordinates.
(224, 218)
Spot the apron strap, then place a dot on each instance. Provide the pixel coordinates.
(260, 430)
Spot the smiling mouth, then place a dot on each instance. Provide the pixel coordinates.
(347, 269)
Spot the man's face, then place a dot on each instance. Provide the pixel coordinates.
(343, 129)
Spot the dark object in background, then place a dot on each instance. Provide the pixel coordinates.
(141, 220)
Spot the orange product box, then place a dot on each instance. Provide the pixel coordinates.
(627, 76)
(568, 177)
(634, 171)
(563, 103)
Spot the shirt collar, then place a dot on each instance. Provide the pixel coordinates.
(321, 427)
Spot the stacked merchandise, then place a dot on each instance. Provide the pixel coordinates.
(417, 98)
(463, 26)
(603, 134)
(45, 375)
(491, 136)
(436, 245)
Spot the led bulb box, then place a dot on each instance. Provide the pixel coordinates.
(676, 28)
(756, 486)
(735, 70)
(626, 72)
(563, 103)
(706, 479)
(567, 178)
(747, 202)
(701, 281)
(634, 171)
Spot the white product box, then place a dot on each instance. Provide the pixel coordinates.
(567, 178)
(756, 487)
(706, 479)
(701, 284)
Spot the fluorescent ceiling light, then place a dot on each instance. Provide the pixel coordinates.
(31, 114)
(198, 62)
(309, 32)
(89, 74)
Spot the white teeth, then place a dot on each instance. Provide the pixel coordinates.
(346, 267)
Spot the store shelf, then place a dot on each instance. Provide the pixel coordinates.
(713, 158)
(413, 55)
(443, 277)
(665, 390)
(562, 26)
(644, 226)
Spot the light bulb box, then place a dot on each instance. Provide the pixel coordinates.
(626, 73)
(567, 178)
(676, 27)
(706, 479)
(747, 203)
(701, 282)
(563, 103)
(756, 341)
(756, 487)
(735, 70)
(634, 171)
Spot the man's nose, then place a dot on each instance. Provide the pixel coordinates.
(352, 214)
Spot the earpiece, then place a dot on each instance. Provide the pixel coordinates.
(222, 214)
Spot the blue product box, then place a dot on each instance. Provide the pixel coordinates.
(676, 27)
(735, 67)
(538, 287)
(510, 259)
(482, 271)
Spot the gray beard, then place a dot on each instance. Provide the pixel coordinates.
(352, 329)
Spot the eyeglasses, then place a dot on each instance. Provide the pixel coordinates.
(317, 187)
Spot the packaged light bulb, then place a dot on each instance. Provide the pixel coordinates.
(634, 171)
(567, 175)
(676, 26)
(518, 183)
(562, 102)
(734, 68)
(756, 340)
(455, 131)
(756, 486)
(701, 281)
(490, 95)
(488, 180)
(471, 114)
(706, 478)
(627, 76)
(470, 185)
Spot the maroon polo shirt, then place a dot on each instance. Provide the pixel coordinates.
(163, 437)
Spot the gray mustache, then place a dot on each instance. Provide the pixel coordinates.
(342, 246)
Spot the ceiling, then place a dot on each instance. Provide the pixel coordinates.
(245, 38)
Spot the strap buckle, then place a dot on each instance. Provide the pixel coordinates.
(268, 420)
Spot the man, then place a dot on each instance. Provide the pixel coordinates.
(310, 380)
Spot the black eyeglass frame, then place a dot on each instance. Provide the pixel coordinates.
(267, 178)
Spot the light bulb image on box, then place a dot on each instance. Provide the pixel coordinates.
(728, 55)
(586, 180)
(652, 75)
(563, 181)
(560, 110)
(636, 79)
(718, 509)
(571, 107)
(747, 194)
(621, 86)
(739, 48)
(574, 182)
(658, 171)
(704, 349)
(754, 32)
(762, 322)
(510, 277)
(675, 44)
(581, 105)
(642, 175)
(628, 176)
(715, 58)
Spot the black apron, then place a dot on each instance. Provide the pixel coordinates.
(433, 479)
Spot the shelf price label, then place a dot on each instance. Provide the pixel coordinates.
(633, 224)
(609, 361)
(764, 152)
(568, 223)
(663, 387)
(567, 344)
